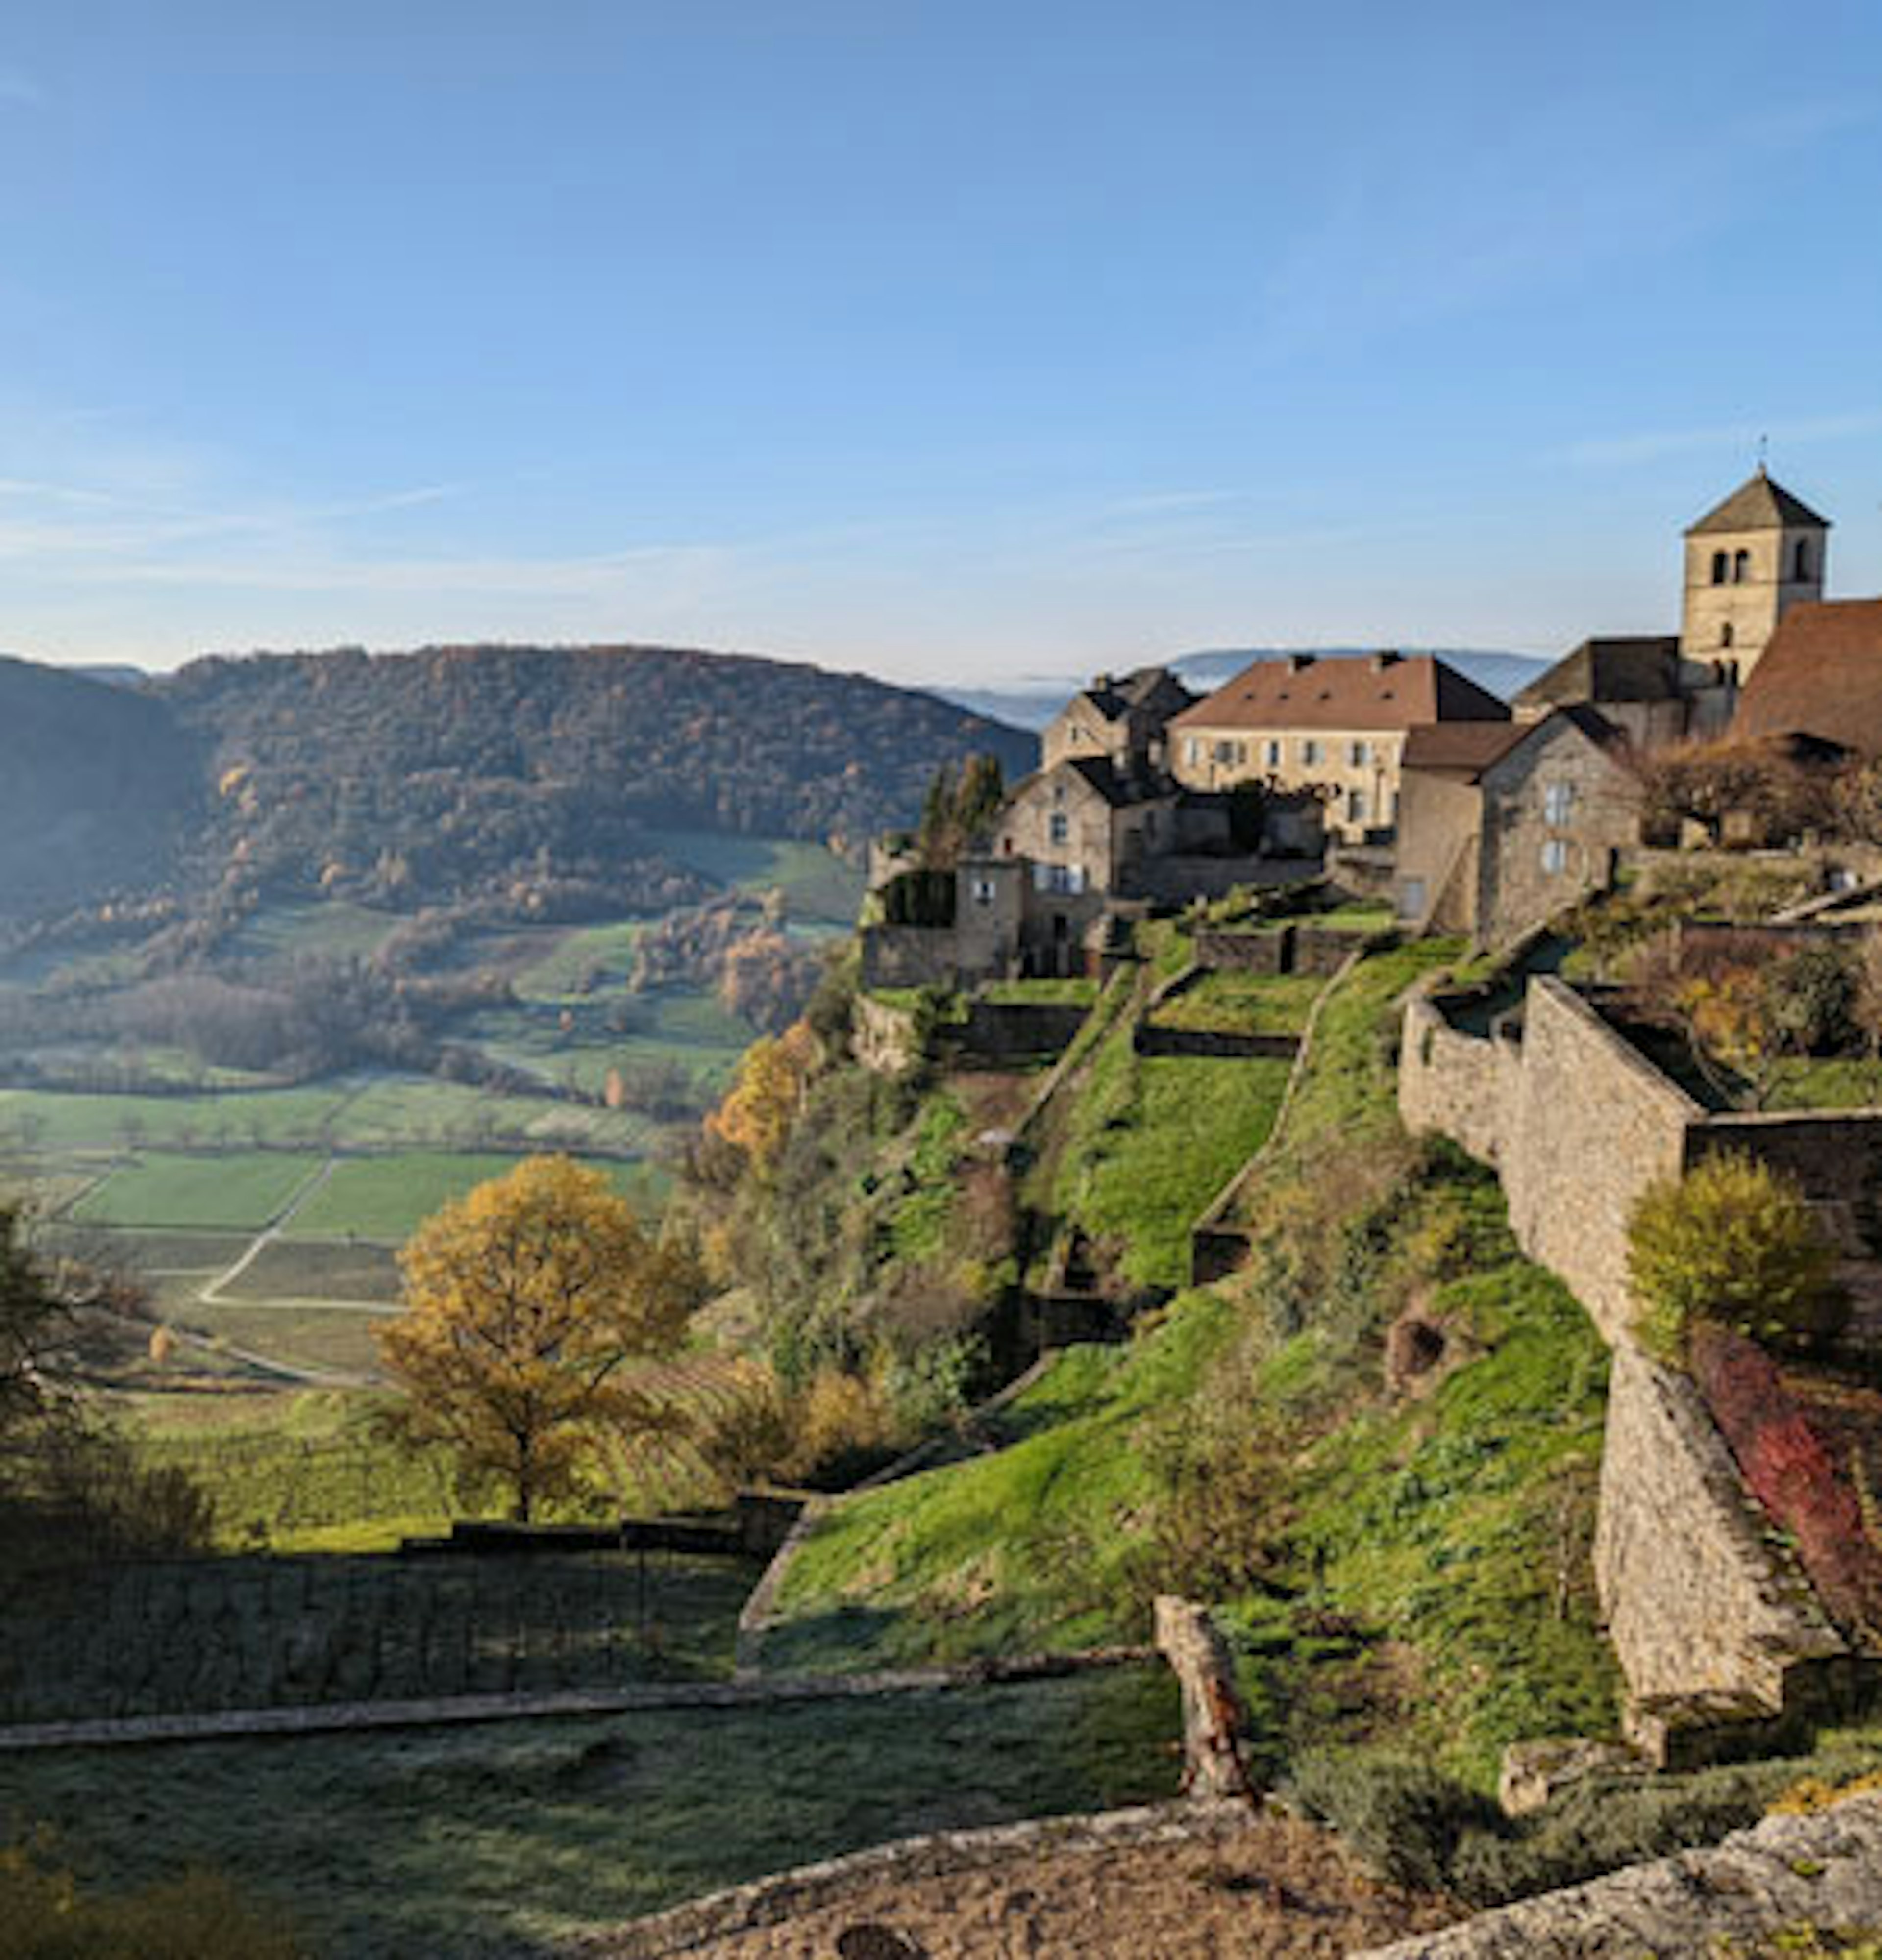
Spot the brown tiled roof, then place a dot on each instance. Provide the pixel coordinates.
(1461, 748)
(1757, 505)
(1821, 676)
(1363, 691)
(1466, 749)
(1642, 668)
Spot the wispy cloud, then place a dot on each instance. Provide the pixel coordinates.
(1647, 446)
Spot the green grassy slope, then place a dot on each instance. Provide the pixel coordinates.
(1408, 1568)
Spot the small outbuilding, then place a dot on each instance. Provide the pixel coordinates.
(1501, 825)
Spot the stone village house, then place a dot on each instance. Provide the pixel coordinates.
(1503, 824)
(1331, 726)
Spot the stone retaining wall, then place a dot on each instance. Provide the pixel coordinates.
(883, 1038)
(1294, 946)
(1704, 1609)
(1211, 1044)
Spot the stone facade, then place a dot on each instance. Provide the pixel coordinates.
(1491, 853)
(1354, 771)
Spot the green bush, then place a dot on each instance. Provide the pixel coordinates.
(1733, 1242)
(1404, 1818)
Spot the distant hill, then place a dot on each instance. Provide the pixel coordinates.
(462, 772)
(97, 786)
(1032, 704)
(536, 778)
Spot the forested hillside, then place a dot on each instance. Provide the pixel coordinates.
(529, 777)
(452, 773)
(95, 784)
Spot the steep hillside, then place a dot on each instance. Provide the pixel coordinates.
(95, 783)
(1401, 1545)
(451, 771)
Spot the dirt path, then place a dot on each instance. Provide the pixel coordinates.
(1278, 1890)
(211, 1295)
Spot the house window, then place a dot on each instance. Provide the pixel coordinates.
(1225, 753)
(1274, 755)
(1554, 857)
(1358, 755)
(1356, 805)
(1718, 567)
(1192, 750)
(1309, 753)
(1801, 560)
(1060, 828)
(983, 891)
(1557, 799)
(1064, 878)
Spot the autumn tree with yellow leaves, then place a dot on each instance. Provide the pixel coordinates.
(525, 1302)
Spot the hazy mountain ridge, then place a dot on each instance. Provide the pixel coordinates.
(1032, 703)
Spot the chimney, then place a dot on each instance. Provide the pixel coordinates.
(1101, 683)
(1381, 661)
(1299, 662)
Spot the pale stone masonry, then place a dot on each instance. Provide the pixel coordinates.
(1715, 1629)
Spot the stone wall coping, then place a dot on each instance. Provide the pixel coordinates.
(786, 1895)
(234, 1724)
(1547, 987)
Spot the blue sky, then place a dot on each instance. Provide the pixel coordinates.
(951, 341)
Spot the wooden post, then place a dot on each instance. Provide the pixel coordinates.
(1214, 1719)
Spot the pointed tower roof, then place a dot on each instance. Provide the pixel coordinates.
(1758, 504)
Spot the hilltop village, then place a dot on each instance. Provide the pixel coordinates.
(1286, 1351)
(1397, 774)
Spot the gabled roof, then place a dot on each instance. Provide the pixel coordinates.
(1114, 698)
(1118, 787)
(1821, 676)
(1339, 692)
(1759, 504)
(1461, 749)
(1642, 668)
(1465, 752)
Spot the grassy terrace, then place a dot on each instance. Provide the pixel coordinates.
(1230, 1003)
(491, 1841)
(1424, 1571)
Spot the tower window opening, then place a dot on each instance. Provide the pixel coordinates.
(1718, 567)
(1800, 560)
(1725, 633)
(1741, 566)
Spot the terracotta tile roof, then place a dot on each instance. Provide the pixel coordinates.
(1821, 676)
(1365, 691)
(1643, 668)
(1757, 505)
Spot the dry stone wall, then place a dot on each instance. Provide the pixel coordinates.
(1698, 1600)
(1720, 1638)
